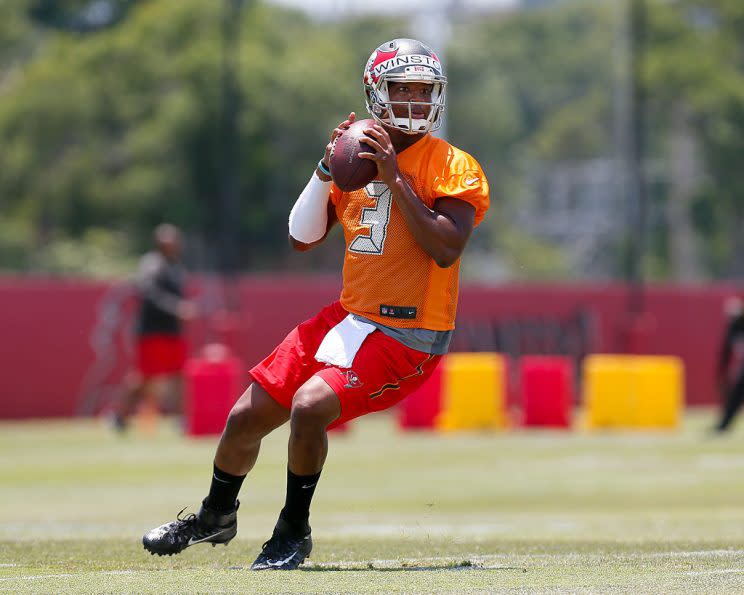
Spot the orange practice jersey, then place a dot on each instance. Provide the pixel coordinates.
(388, 277)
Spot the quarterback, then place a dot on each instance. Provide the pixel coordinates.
(404, 233)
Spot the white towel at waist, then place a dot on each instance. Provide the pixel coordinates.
(340, 345)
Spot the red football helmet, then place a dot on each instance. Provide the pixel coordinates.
(404, 60)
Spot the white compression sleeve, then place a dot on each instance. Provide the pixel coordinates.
(309, 216)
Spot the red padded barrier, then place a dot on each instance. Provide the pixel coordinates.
(421, 407)
(547, 389)
(213, 383)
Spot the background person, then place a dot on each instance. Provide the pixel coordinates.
(161, 348)
(731, 363)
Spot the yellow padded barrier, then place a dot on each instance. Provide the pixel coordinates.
(608, 392)
(660, 390)
(633, 391)
(473, 392)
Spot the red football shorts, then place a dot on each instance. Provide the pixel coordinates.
(383, 372)
(160, 355)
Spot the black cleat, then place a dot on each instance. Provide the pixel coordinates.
(208, 526)
(286, 549)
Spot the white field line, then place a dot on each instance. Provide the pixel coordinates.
(696, 553)
(35, 577)
(722, 571)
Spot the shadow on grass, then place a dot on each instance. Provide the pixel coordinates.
(402, 567)
(406, 567)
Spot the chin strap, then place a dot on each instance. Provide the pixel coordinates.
(419, 126)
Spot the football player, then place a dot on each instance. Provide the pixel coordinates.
(404, 233)
(161, 348)
(731, 363)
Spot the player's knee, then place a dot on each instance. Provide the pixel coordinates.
(311, 410)
(238, 416)
(243, 415)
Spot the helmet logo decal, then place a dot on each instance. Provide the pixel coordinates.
(424, 71)
(379, 57)
(381, 66)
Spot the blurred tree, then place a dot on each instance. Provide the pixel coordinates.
(105, 135)
(122, 129)
(80, 16)
(16, 34)
(527, 93)
(696, 78)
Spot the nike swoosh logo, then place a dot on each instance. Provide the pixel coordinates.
(192, 541)
(309, 485)
(218, 479)
(280, 562)
(471, 181)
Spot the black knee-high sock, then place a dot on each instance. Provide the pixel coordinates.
(734, 399)
(733, 403)
(224, 490)
(300, 490)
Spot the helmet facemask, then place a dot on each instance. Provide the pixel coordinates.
(380, 106)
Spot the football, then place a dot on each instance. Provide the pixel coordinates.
(348, 170)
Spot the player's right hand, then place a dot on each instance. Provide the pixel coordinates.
(187, 310)
(335, 134)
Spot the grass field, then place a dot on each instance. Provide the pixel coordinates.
(516, 512)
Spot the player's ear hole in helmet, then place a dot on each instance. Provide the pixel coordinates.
(404, 61)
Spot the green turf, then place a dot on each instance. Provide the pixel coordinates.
(521, 512)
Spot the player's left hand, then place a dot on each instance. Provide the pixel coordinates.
(187, 310)
(384, 153)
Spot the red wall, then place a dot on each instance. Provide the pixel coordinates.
(44, 351)
(47, 326)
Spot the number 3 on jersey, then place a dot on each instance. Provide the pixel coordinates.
(377, 218)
